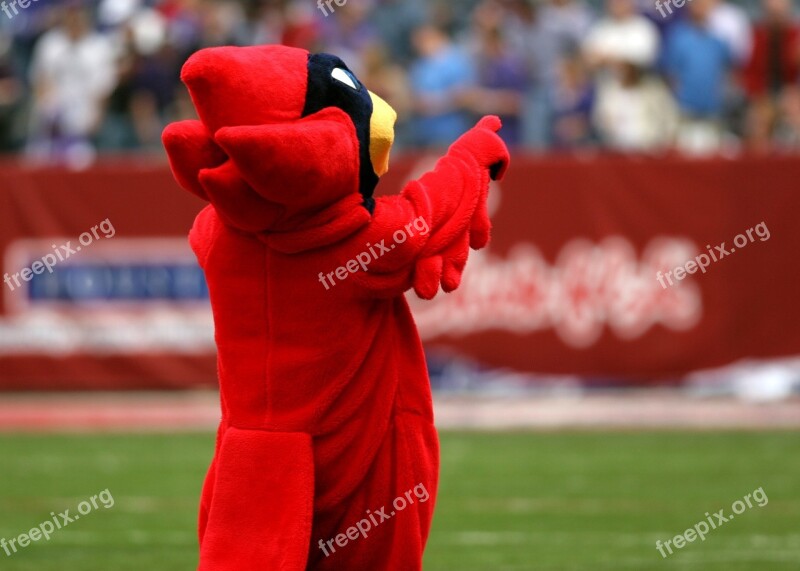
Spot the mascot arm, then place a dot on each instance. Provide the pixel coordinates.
(422, 237)
(257, 175)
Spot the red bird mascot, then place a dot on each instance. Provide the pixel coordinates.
(326, 456)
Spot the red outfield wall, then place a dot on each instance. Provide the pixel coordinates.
(569, 284)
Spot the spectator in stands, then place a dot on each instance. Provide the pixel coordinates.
(564, 25)
(541, 49)
(144, 94)
(395, 21)
(439, 78)
(697, 64)
(72, 74)
(523, 44)
(501, 73)
(184, 25)
(634, 111)
(622, 35)
(11, 93)
(573, 104)
(221, 22)
(389, 81)
(568, 21)
(301, 25)
(263, 24)
(772, 69)
(787, 132)
(546, 33)
(349, 33)
(730, 23)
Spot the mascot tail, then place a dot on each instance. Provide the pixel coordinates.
(260, 507)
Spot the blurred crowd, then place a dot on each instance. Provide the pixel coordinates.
(693, 76)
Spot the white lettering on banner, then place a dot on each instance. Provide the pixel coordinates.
(590, 287)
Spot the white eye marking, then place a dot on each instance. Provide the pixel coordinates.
(341, 75)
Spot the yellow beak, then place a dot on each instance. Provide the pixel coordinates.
(381, 134)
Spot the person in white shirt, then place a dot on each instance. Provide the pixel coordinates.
(622, 35)
(72, 73)
(634, 111)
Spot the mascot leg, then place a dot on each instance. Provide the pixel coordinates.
(205, 500)
(208, 485)
(261, 505)
(385, 524)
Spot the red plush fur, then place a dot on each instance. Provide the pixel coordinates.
(326, 401)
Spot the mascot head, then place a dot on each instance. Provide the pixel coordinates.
(281, 132)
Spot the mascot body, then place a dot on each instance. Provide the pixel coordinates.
(326, 408)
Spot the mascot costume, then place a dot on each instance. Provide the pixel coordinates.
(326, 455)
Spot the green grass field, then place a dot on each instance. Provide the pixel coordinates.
(562, 501)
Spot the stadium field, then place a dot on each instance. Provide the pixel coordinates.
(508, 501)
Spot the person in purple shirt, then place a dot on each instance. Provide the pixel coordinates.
(502, 80)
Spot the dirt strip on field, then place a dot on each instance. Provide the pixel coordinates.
(667, 410)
